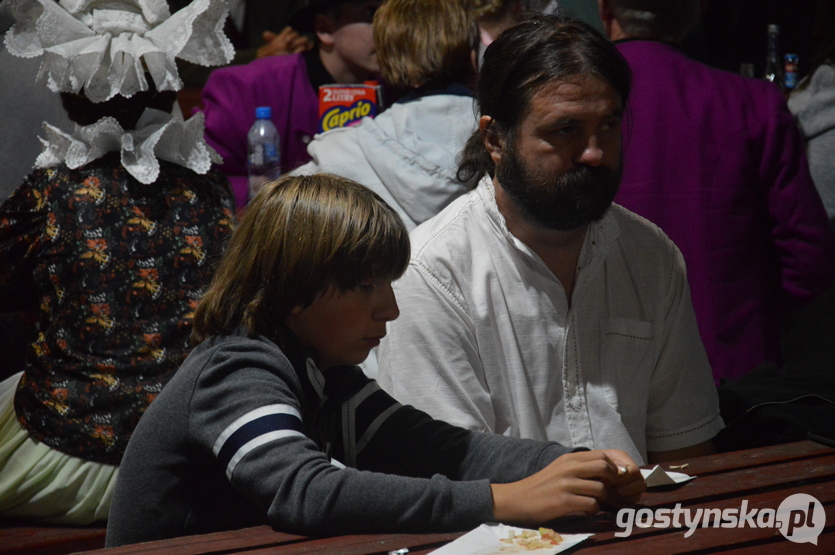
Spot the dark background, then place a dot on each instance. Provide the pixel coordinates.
(732, 32)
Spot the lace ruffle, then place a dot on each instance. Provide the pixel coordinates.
(106, 46)
(158, 136)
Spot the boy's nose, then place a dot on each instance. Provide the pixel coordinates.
(387, 308)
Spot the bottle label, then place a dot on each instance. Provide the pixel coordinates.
(346, 105)
(263, 155)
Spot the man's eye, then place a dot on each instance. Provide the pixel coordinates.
(612, 125)
(564, 131)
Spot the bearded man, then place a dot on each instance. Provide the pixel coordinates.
(535, 307)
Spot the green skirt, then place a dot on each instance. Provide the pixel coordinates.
(38, 482)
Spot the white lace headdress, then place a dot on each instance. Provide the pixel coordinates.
(105, 47)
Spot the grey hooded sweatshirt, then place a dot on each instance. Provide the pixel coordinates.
(407, 154)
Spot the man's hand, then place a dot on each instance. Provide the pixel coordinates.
(574, 483)
(287, 41)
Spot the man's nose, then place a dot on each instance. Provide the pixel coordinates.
(592, 154)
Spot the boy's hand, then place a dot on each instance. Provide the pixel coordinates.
(630, 484)
(574, 483)
(287, 41)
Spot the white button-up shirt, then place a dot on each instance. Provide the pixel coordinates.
(486, 339)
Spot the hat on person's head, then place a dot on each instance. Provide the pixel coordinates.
(106, 47)
(302, 19)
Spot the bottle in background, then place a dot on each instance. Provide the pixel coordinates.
(773, 65)
(263, 161)
(790, 67)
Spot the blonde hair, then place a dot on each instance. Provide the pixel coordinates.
(419, 42)
(489, 8)
(299, 235)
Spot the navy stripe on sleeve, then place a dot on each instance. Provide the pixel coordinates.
(254, 429)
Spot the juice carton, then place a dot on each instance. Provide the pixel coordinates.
(346, 105)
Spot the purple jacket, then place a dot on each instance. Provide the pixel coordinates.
(715, 159)
(230, 97)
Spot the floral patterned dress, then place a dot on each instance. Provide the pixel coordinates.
(115, 269)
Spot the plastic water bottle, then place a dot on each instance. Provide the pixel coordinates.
(263, 162)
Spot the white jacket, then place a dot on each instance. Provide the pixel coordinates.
(408, 154)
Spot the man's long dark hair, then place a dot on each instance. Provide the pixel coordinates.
(524, 59)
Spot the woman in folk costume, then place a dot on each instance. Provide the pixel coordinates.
(109, 241)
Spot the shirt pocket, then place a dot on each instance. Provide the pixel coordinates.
(626, 363)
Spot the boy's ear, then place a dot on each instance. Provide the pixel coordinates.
(493, 141)
(324, 26)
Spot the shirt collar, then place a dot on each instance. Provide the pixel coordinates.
(317, 380)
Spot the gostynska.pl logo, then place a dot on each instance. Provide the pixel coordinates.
(800, 518)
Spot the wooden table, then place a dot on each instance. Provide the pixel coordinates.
(764, 477)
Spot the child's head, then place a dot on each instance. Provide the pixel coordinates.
(426, 42)
(300, 237)
(343, 34)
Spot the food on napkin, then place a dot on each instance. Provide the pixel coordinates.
(533, 539)
(500, 539)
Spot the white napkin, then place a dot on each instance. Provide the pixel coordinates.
(659, 477)
(485, 540)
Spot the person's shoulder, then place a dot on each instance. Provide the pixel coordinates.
(321, 145)
(639, 235)
(444, 254)
(262, 68)
(813, 104)
(754, 97)
(740, 86)
(449, 233)
(655, 264)
(451, 103)
(226, 354)
(338, 151)
(656, 57)
(237, 342)
(106, 173)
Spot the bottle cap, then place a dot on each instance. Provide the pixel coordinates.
(263, 112)
(773, 28)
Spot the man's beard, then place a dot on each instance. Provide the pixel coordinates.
(561, 202)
